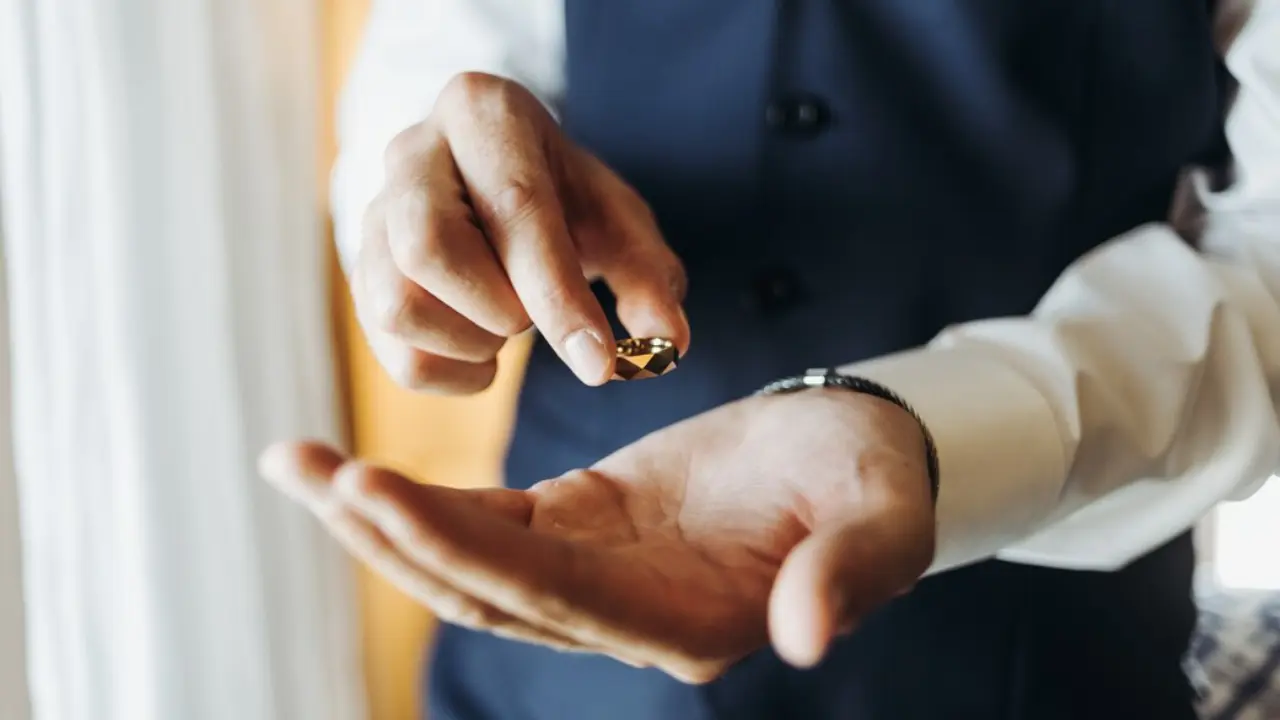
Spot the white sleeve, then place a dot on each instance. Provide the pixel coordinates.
(1143, 389)
(409, 51)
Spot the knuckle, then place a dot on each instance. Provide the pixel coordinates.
(436, 375)
(468, 90)
(402, 149)
(373, 221)
(479, 346)
(552, 297)
(416, 254)
(409, 209)
(517, 203)
(512, 324)
(396, 308)
(402, 366)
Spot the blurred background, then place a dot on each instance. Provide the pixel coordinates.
(173, 304)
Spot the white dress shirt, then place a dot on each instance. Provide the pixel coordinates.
(1144, 388)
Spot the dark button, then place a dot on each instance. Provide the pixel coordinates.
(801, 115)
(773, 291)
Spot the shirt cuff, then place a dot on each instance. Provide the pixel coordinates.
(1001, 458)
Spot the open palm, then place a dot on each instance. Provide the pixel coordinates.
(787, 516)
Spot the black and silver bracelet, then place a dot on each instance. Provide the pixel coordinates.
(825, 377)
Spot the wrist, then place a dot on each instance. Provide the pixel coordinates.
(883, 415)
(998, 439)
(892, 447)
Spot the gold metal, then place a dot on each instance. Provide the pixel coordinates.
(640, 358)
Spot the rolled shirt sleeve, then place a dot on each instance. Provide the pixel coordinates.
(1145, 386)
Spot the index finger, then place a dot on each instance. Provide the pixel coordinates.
(503, 147)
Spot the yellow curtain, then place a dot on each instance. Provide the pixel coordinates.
(454, 441)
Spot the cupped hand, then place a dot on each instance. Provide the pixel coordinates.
(782, 518)
(491, 222)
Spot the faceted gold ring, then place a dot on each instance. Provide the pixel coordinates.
(640, 358)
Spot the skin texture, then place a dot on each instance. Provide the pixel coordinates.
(780, 519)
(492, 222)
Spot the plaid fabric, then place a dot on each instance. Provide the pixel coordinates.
(1234, 660)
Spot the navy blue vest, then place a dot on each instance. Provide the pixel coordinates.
(844, 178)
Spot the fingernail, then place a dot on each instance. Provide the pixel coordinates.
(588, 357)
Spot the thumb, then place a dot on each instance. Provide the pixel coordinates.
(627, 250)
(840, 573)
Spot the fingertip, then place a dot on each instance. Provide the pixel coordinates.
(276, 461)
(801, 609)
(301, 470)
(656, 317)
(798, 633)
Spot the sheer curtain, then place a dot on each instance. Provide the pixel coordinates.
(166, 287)
(13, 669)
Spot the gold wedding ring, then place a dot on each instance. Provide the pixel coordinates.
(640, 358)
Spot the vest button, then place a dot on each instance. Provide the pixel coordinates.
(802, 116)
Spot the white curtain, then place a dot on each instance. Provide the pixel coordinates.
(168, 318)
(13, 669)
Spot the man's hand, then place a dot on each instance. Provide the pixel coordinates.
(785, 517)
(491, 221)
